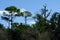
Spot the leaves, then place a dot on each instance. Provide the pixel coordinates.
(43, 29)
(11, 8)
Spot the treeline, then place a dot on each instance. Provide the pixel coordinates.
(43, 29)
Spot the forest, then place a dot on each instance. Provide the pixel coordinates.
(45, 27)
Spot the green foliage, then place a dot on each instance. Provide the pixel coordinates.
(41, 19)
(26, 14)
(9, 18)
(11, 8)
(43, 29)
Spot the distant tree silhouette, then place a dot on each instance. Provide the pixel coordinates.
(12, 10)
(41, 19)
(26, 14)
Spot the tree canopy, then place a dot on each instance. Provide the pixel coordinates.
(43, 29)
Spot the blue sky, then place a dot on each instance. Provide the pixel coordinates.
(31, 5)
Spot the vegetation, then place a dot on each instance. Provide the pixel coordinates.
(43, 29)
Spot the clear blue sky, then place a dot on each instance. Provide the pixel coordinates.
(31, 5)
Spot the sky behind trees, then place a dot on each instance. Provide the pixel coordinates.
(31, 5)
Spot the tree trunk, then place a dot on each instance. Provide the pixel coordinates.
(25, 20)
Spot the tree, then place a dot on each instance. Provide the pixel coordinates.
(41, 19)
(55, 26)
(54, 20)
(41, 26)
(44, 12)
(13, 11)
(26, 14)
